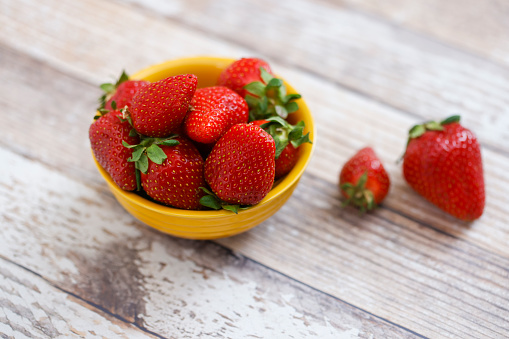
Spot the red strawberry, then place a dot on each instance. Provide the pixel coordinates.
(213, 111)
(159, 108)
(443, 163)
(242, 72)
(176, 181)
(265, 94)
(363, 180)
(288, 138)
(120, 94)
(240, 168)
(106, 136)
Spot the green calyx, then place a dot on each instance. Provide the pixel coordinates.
(148, 149)
(358, 195)
(212, 201)
(418, 130)
(284, 133)
(109, 89)
(269, 98)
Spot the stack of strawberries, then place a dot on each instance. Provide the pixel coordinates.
(213, 147)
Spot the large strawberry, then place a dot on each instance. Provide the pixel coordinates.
(363, 180)
(121, 93)
(288, 138)
(266, 95)
(175, 179)
(213, 111)
(443, 163)
(240, 168)
(159, 108)
(107, 134)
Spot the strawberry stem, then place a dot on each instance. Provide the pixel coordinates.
(358, 195)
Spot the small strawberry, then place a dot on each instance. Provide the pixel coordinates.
(213, 111)
(363, 180)
(107, 134)
(176, 175)
(240, 168)
(242, 72)
(121, 93)
(288, 138)
(443, 163)
(159, 108)
(266, 95)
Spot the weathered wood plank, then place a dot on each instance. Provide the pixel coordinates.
(378, 59)
(333, 107)
(480, 27)
(80, 240)
(30, 307)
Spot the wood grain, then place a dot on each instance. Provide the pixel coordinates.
(79, 240)
(480, 27)
(406, 270)
(30, 307)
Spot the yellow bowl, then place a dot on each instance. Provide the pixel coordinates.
(211, 224)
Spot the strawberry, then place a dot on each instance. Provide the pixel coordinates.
(443, 163)
(121, 93)
(288, 138)
(363, 180)
(159, 108)
(176, 177)
(240, 168)
(213, 111)
(107, 134)
(242, 72)
(266, 95)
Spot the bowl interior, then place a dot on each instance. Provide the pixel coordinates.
(207, 69)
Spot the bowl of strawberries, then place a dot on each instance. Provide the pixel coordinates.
(202, 147)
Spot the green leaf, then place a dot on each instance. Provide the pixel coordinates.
(138, 180)
(275, 83)
(450, 120)
(142, 163)
(305, 138)
(114, 105)
(136, 154)
(416, 131)
(156, 154)
(252, 101)
(292, 107)
(207, 191)
(123, 78)
(266, 76)
(293, 96)
(127, 145)
(108, 88)
(210, 201)
(233, 208)
(280, 146)
(281, 111)
(296, 132)
(278, 120)
(256, 87)
(133, 133)
(433, 126)
(170, 142)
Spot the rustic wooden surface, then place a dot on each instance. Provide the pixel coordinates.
(73, 263)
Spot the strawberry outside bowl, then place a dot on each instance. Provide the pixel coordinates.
(211, 224)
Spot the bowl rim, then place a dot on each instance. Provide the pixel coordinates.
(280, 186)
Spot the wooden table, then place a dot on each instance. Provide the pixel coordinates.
(73, 263)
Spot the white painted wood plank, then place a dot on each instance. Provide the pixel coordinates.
(478, 26)
(30, 307)
(83, 242)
